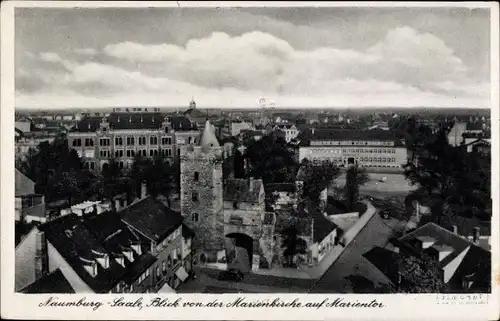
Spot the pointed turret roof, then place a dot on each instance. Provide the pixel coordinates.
(208, 138)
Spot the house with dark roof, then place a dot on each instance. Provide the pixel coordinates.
(169, 239)
(124, 135)
(54, 282)
(142, 248)
(345, 147)
(464, 266)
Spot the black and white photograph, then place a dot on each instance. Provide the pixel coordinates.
(253, 150)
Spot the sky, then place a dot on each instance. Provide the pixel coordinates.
(232, 57)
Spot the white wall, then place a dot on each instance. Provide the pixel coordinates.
(25, 260)
(56, 261)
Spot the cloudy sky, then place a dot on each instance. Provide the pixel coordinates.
(227, 57)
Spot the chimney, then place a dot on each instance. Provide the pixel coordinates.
(40, 255)
(312, 130)
(455, 229)
(144, 191)
(476, 235)
(117, 205)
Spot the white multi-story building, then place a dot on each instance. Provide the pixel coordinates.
(370, 149)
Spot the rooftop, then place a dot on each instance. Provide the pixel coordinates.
(55, 282)
(121, 121)
(476, 260)
(153, 219)
(321, 134)
(82, 241)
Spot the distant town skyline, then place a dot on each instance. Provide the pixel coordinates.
(230, 58)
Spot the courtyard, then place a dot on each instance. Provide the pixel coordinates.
(381, 185)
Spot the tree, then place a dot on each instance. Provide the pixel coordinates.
(450, 178)
(271, 159)
(316, 177)
(158, 174)
(292, 244)
(64, 185)
(355, 178)
(419, 275)
(28, 164)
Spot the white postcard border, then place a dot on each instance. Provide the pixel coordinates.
(399, 306)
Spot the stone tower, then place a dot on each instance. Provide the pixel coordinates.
(202, 193)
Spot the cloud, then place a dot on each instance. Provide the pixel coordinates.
(404, 68)
(50, 57)
(86, 51)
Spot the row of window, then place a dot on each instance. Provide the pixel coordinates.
(378, 159)
(143, 276)
(355, 143)
(357, 150)
(130, 141)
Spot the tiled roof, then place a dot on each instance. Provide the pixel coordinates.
(135, 120)
(470, 263)
(151, 218)
(322, 227)
(180, 123)
(238, 190)
(23, 185)
(76, 239)
(55, 282)
(348, 134)
(87, 124)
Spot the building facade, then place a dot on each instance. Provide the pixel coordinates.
(125, 135)
(370, 149)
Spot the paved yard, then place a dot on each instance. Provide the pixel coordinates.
(395, 184)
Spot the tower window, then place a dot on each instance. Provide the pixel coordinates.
(196, 176)
(195, 217)
(194, 196)
(235, 205)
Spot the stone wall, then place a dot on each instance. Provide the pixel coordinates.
(207, 187)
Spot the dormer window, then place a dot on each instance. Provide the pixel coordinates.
(120, 260)
(137, 248)
(128, 254)
(102, 259)
(90, 266)
(195, 217)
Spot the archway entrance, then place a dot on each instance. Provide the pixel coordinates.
(239, 251)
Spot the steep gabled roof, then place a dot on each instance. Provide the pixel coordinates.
(55, 282)
(153, 219)
(78, 240)
(23, 185)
